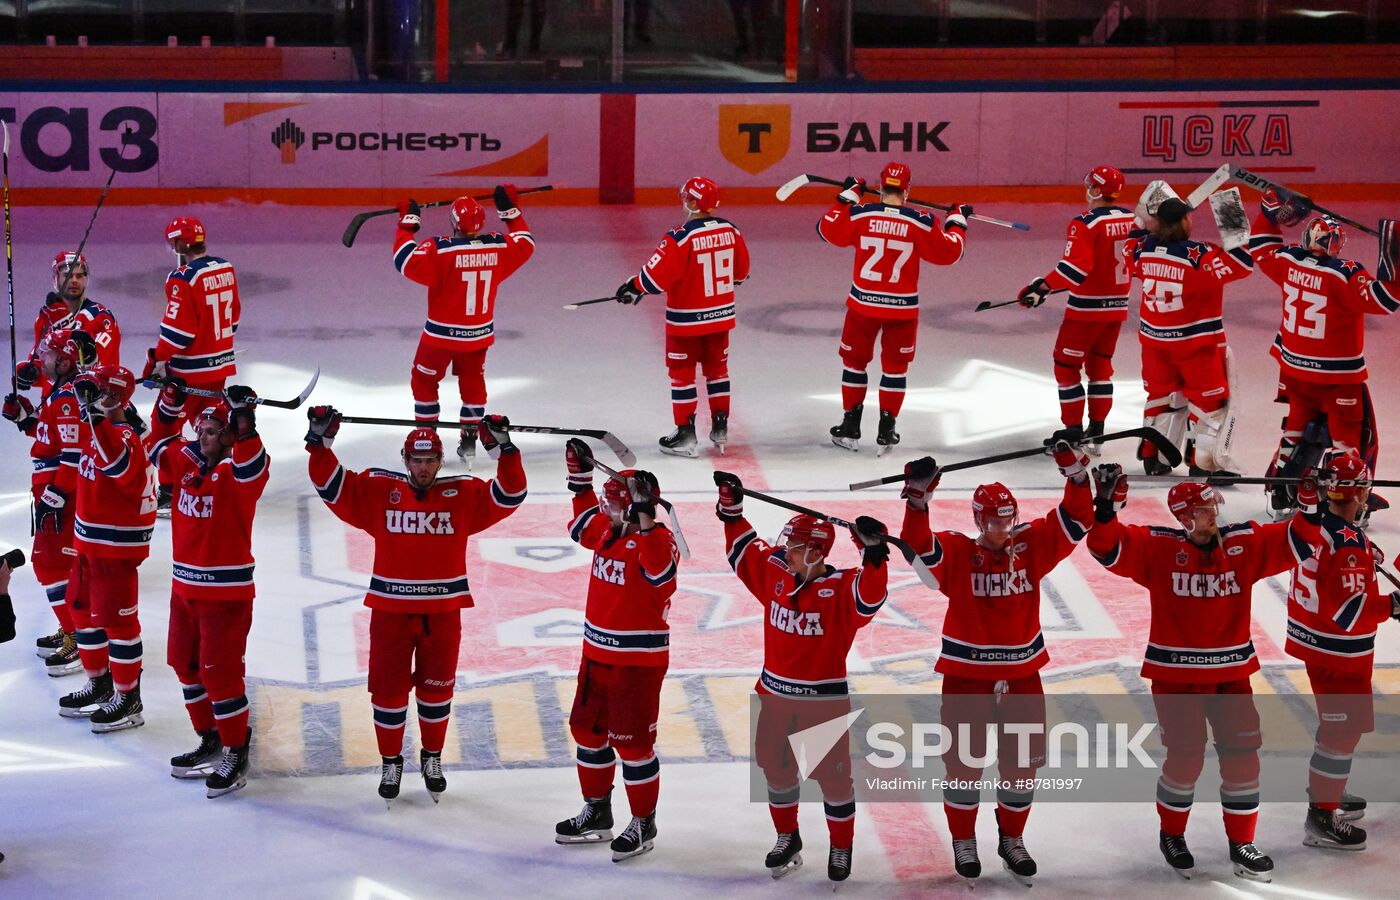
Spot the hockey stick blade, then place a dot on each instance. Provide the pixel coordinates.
(681, 546)
(793, 187)
(353, 229)
(623, 453)
(988, 304)
(579, 303)
(157, 384)
(1260, 183)
(1215, 182)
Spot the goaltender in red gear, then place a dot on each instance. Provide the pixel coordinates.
(1199, 578)
(812, 612)
(463, 273)
(697, 266)
(217, 478)
(420, 523)
(626, 649)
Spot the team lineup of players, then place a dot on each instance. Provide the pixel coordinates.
(100, 475)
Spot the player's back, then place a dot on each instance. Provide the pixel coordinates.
(1105, 286)
(202, 314)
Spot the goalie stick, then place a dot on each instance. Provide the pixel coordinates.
(920, 567)
(681, 545)
(801, 181)
(353, 229)
(294, 403)
(1260, 183)
(1168, 451)
(621, 450)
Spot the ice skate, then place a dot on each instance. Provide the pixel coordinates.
(88, 699)
(1329, 830)
(201, 761)
(786, 855)
(847, 434)
(232, 773)
(1015, 859)
(681, 442)
(430, 766)
(591, 826)
(64, 660)
(1250, 863)
(121, 712)
(47, 645)
(965, 860)
(390, 776)
(886, 438)
(1176, 853)
(719, 430)
(637, 838)
(838, 865)
(1353, 807)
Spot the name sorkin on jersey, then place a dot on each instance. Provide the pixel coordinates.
(418, 521)
(885, 226)
(196, 506)
(792, 621)
(1001, 584)
(1195, 584)
(613, 571)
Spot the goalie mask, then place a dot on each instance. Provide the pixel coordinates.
(1324, 236)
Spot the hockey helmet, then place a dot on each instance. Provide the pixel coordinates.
(185, 230)
(1347, 477)
(62, 263)
(217, 412)
(422, 442)
(467, 215)
(1189, 497)
(811, 532)
(994, 504)
(116, 381)
(894, 177)
(1104, 182)
(617, 495)
(703, 191)
(1324, 236)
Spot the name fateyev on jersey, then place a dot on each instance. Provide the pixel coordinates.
(890, 241)
(420, 540)
(991, 630)
(1183, 289)
(629, 589)
(115, 513)
(808, 626)
(1092, 267)
(1335, 604)
(462, 275)
(697, 266)
(1200, 596)
(202, 310)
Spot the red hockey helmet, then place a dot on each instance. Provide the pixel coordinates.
(994, 501)
(703, 191)
(115, 380)
(811, 532)
(217, 412)
(1104, 182)
(1324, 236)
(422, 442)
(616, 494)
(184, 230)
(62, 261)
(1186, 498)
(467, 215)
(1348, 466)
(894, 177)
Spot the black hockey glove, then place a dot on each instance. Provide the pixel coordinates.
(1033, 294)
(730, 506)
(49, 508)
(628, 293)
(869, 536)
(325, 424)
(26, 373)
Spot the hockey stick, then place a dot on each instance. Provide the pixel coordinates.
(792, 186)
(1258, 182)
(1215, 182)
(589, 302)
(258, 401)
(1165, 448)
(919, 566)
(1227, 480)
(353, 229)
(10, 265)
(988, 304)
(681, 544)
(623, 453)
(101, 198)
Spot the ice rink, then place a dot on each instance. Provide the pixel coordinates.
(83, 815)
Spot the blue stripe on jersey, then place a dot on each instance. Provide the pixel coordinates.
(1314, 364)
(740, 544)
(1107, 560)
(501, 498)
(648, 285)
(180, 363)
(1183, 332)
(402, 254)
(330, 491)
(836, 687)
(866, 609)
(112, 535)
(935, 554)
(213, 576)
(1070, 272)
(1074, 529)
(666, 575)
(1332, 644)
(252, 468)
(1387, 300)
(176, 337)
(1350, 611)
(447, 587)
(887, 301)
(993, 655)
(1190, 658)
(699, 316)
(458, 332)
(579, 524)
(626, 641)
(44, 463)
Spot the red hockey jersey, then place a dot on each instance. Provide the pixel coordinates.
(115, 512)
(1325, 301)
(808, 626)
(462, 275)
(1093, 268)
(1183, 289)
(697, 266)
(201, 315)
(211, 512)
(629, 593)
(90, 316)
(56, 448)
(1200, 596)
(890, 241)
(420, 541)
(992, 628)
(1335, 603)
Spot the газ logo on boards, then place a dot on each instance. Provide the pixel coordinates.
(754, 136)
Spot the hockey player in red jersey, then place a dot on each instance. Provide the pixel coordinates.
(697, 266)
(812, 612)
(626, 645)
(113, 516)
(420, 523)
(1183, 337)
(1321, 339)
(1334, 606)
(462, 272)
(202, 312)
(218, 478)
(54, 425)
(993, 648)
(1199, 657)
(891, 239)
(1093, 270)
(68, 307)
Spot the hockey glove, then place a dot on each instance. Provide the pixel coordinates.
(494, 434)
(869, 536)
(20, 411)
(1072, 461)
(87, 390)
(171, 400)
(49, 507)
(578, 458)
(84, 348)
(242, 418)
(1309, 498)
(851, 191)
(26, 373)
(920, 478)
(628, 293)
(410, 216)
(505, 196)
(155, 368)
(730, 506)
(1110, 491)
(643, 488)
(324, 425)
(1284, 210)
(1033, 294)
(957, 217)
